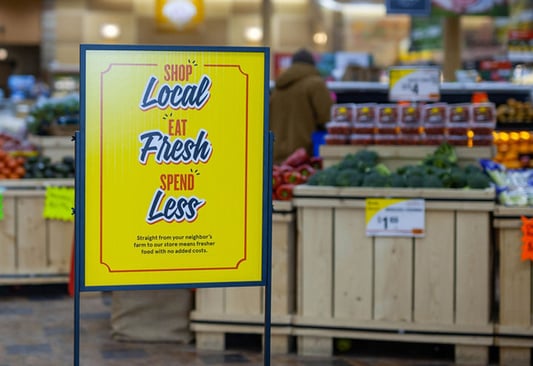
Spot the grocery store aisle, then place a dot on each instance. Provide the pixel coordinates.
(36, 329)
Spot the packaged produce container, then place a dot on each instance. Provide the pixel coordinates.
(365, 118)
(337, 139)
(457, 140)
(339, 128)
(483, 118)
(387, 117)
(409, 121)
(434, 117)
(432, 139)
(361, 139)
(409, 139)
(459, 118)
(482, 140)
(345, 112)
(386, 139)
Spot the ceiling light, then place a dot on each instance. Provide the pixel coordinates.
(253, 34)
(320, 38)
(110, 31)
(180, 12)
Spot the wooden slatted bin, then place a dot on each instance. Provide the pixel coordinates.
(54, 147)
(514, 327)
(432, 289)
(34, 250)
(240, 310)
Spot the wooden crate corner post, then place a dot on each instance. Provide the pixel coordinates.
(514, 328)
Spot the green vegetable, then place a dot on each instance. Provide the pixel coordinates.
(397, 180)
(499, 177)
(433, 181)
(471, 168)
(414, 181)
(458, 178)
(349, 178)
(375, 179)
(477, 180)
(437, 170)
(380, 168)
(443, 157)
(370, 158)
(325, 177)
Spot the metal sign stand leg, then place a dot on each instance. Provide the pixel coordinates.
(268, 282)
(77, 233)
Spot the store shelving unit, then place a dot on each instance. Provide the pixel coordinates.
(361, 92)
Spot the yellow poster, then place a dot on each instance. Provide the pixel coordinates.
(174, 165)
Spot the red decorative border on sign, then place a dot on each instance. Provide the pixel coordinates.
(245, 182)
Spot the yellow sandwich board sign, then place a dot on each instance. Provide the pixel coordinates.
(174, 173)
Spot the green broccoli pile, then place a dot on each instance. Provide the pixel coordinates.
(437, 170)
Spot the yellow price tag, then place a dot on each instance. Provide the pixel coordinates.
(58, 203)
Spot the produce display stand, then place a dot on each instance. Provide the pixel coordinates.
(54, 147)
(432, 289)
(35, 250)
(450, 92)
(514, 328)
(397, 156)
(219, 311)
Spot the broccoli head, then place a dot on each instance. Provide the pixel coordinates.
(382, 169)
(457, 178)
(375, 179)
(433, 181)
(471, 168)
(349, 178)
(361, 160)
(370, 158)
(414, 180)
(477, 180)
(325, 177)
(397, 180)
(349, 161)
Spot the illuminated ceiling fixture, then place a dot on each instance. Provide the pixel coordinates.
(110, 31)
(253, 34)
(179, 12)
(320, 38)
(3, 54)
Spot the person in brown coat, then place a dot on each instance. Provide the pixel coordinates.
(300, 104)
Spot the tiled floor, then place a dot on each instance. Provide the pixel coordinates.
(36, 329)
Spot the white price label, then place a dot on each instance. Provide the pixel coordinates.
(420, 84)
(395, 217)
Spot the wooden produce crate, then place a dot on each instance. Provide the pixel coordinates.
(514, 327)
(220, 311)
(55, 147)
(34, 250)
(398, 156)
(432, 289)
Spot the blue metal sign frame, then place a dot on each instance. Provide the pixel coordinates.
(80, 195)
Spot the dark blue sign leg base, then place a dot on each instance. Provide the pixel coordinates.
(268, 281)
(77, 241)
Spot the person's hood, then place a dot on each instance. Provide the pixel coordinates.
(294, 73)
